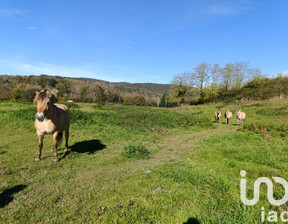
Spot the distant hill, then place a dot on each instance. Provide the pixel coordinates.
(82, 89)
(138, 87)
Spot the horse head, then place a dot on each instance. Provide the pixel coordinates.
(238, 112)
(44, 100)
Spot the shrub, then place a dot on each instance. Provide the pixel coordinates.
(78, 116)
(136, 151)
(188, 120)
(135, 100)
(275, 129)
(23, 114)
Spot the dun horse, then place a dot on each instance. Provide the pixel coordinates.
(217, 115)
(51, 119)
(228, 116)
(241, 116)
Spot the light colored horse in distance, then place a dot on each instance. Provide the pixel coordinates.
(51, 119)
(241, 116)
(228, 116)
(217, 115)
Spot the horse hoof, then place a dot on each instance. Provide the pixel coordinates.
(37, 159)
(55, 160)
(65, 150)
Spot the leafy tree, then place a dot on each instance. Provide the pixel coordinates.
(164, 101)
(181, 84)
(209, 95)
(114, 98)
(84, 94)
(135, 100)
(63, 88)
(128, 100)
(99, 95)
(139, 101)
(17, 94)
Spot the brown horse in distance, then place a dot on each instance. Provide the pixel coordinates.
(217, 115)
(51, 119)
(228, 116)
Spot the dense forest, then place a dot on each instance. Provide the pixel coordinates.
(205, 83)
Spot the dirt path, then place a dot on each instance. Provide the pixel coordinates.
(172, 147)
(175, 147)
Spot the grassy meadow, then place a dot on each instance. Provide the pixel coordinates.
(191, 176)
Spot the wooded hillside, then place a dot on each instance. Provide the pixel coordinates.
(82, 89)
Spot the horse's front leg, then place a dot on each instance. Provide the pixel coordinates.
(55, 145)
(40, 144)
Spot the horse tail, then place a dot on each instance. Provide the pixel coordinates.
(59, 138)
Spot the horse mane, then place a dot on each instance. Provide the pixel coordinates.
(43, 95)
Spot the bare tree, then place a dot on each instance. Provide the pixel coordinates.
(227, 76)
(200, 76)
(215, 76)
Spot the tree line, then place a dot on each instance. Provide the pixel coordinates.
(205, 83)
(211, 83)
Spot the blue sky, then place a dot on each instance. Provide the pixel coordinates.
(140, 40)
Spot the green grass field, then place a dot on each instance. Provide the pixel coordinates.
(193, 175)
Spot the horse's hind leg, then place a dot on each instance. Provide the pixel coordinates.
(66, 140)
(40, 144)
(55, 145)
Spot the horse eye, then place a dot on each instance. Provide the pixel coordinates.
(48, 103)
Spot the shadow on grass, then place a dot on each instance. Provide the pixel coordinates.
(89, 146)
(7, 195)
(192, 221)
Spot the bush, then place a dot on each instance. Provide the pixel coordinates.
(23, 114)
(136, 151)
(81, 117)
(135, 100)
(265, 127)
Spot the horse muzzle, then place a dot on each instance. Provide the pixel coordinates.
(40, 117)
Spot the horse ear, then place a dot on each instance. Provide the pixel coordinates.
(49, 94)
(36, 96)
(53, 98)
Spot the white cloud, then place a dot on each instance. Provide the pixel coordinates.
(30, 28)
(221, 10)
(50, 69)
(11, 12)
